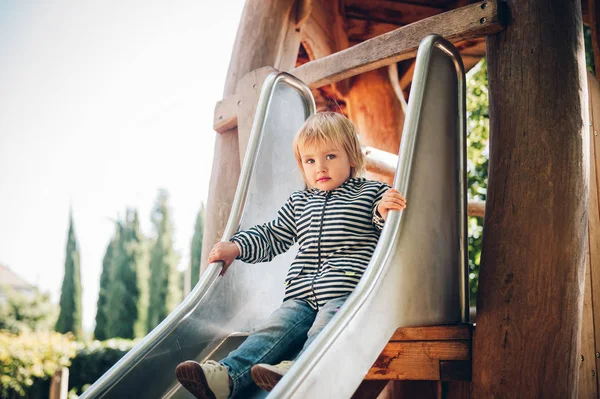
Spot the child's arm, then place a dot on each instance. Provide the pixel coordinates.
(263, 242)
(387, 199)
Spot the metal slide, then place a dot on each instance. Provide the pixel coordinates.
(417, 275)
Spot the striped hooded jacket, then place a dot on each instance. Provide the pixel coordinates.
(336, 230)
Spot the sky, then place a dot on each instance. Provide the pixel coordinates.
(101, 104)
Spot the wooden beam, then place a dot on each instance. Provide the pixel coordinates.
(529, 303)
(323, 34)
(477, 20)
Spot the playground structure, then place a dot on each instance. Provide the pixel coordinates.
(533, 337)
(536, 332)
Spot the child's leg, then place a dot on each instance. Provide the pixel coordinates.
(286, 328)
(324, 315)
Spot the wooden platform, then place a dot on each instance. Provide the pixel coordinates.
(432, 362)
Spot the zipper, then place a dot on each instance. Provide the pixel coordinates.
(319, 250)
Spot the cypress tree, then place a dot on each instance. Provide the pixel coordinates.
(101, 331)
(196, 250)
(69, 318)
(165, 292)
(128, 294)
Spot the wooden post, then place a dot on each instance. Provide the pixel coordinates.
(529, 305)
(590, 328)
(375, 109)
(266, 29)
(59, 387)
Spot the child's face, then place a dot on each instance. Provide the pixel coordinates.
(325, 167)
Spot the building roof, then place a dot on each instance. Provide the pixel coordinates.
(13, 280)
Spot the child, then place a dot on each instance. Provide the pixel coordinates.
(337, 221)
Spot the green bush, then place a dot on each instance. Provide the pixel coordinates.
(93, 360)
(22, 313)
(31, 358)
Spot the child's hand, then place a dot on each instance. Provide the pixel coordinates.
(225, 251)
(392, 200)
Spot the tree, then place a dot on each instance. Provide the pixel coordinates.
(196, 250)
(128, 293)
(477, 162)
(164, 276)
(101, 331)
(69, 318)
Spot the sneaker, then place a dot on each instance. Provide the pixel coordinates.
(209, 380)
(267, 376)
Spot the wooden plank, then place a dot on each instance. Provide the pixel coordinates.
(462, 24)
(417, 360)
(434, 333)
(532, 263)
(594, 215)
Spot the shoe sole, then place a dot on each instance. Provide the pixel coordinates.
(265, 378)
(191, 376)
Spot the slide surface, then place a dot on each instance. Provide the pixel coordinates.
(417, 275)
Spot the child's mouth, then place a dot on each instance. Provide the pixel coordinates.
(323, 179)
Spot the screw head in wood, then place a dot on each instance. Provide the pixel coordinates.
(593, 373)
(484, 6)
(581, 357)
(595, 132)
(483, 20)
(598, 354)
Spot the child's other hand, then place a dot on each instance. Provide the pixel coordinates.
(392, 200)
(225, 251)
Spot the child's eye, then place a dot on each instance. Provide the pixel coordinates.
(310, 161)
(330, 156)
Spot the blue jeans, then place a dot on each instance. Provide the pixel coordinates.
(294, 325)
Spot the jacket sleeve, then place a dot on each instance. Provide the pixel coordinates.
(379, 221)
(262, 243)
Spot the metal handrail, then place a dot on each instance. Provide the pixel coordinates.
(209, 277)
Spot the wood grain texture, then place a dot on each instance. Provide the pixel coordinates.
(434, 333)
(466, 23)
(535, 230)
(593, 261)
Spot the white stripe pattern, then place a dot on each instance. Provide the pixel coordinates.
(337, 232)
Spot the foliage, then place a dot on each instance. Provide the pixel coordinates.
(31, 357)
(196, 250)
(165, 293)
(127, 303)
(589, 50)
(22, 313)
(69, 318)
(477, 162)
(93, 360)
(101, 331)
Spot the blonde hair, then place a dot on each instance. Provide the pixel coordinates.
(330, 128)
